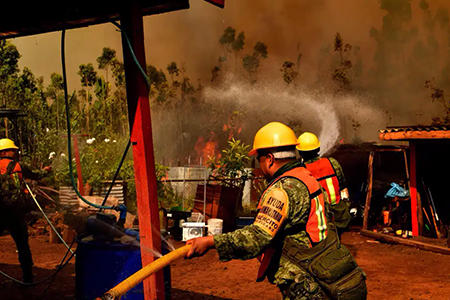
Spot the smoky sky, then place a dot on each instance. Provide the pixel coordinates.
(191, 36)
(289, 27)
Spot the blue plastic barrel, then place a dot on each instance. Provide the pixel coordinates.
(100, 266)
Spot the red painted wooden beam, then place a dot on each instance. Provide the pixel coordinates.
(413, 188)
(141, 138)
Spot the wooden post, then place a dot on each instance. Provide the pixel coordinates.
(369, 191)
(413, 189)
(407, 242)
(419, 200)
(142, 141)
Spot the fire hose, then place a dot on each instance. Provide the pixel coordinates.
(119, 290)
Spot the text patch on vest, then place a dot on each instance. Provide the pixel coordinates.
(273, 211)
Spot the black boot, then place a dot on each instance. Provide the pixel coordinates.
(27, 276)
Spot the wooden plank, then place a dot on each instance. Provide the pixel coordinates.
(369, 190)
(411, 243)
(419, 200)
(408, 135)
(413, 188)
(433, 224)
(438, 233)
(142, 140)
(389, 150)
(419, 214)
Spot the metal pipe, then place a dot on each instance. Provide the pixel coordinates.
(119, 290)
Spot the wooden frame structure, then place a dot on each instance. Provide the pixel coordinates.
(43, 17)
(416, 207)
(412, 134)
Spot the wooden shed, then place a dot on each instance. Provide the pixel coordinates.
(429, 166)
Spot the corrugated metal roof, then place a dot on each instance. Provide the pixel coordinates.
(427, 128)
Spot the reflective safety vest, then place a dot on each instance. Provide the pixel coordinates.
(323, 170)
(16, 172)
(316, 226)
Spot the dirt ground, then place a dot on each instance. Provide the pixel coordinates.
(393, 272)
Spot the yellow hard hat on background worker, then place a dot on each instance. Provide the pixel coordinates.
(308, 141)
(273, 135)
(7, 144)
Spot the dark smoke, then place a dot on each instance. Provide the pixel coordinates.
(389, 87)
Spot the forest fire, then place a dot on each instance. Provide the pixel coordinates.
(189, 107)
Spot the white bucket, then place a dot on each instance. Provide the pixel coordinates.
(215, 226)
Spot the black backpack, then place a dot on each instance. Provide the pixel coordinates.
(11, 192)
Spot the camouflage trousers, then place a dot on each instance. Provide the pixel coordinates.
(304, 287)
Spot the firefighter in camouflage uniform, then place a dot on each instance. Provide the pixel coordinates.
(13, 202)
(299, 247)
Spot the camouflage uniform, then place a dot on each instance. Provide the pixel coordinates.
(13, 210)
(250, 241)
(340, 211)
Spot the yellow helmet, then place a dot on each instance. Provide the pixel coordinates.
(7, 144)
(272, 135)
(308, 141)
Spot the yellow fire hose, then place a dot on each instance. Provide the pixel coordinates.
(119, 290)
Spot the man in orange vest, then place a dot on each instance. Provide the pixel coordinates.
(13, 207)
(300, 246)
(330, 175)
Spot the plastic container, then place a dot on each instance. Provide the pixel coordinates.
(215, 226)
(192, 230)
(101, 266)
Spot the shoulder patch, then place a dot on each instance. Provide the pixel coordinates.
(273, 211)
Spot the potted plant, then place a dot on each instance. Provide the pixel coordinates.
(223, 199)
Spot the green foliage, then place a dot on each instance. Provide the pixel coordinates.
(172, 68)
(238, 43)
(228, 36)
(260, 50)
(215, 72)
(289, 73)
(107, 58)
(251, 62)
(9, 58)
(232, 163)
(88, 76)
(341, 74)
(439, 96)
(231, 43)
(118, 70)
(167, 196)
